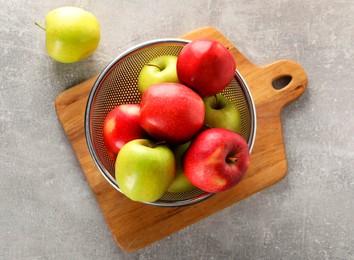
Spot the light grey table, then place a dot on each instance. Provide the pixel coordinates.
(47, 210)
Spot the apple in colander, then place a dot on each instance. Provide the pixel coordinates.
(144, 170)
(171, 112)
(216, 160)
(180, 182)
(206, 66)
(120, 126)
(222, 112)
(158, 70)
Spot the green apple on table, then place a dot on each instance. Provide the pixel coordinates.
(222, 113)
(180, 183)
(158, 70)
(144, 170)
(72, 34)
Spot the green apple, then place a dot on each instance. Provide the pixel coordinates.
(144, 170)
(72, 34)
(159, 70)
(222, 113)
(180, 183)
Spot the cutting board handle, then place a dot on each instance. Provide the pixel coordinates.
(282, 81)
(283, 70)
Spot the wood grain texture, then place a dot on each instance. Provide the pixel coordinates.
(136, 225)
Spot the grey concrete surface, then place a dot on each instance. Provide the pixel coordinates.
(47, 209)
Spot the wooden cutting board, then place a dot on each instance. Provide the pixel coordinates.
(136, 225)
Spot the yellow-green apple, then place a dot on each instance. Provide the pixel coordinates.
(180, 183)
(72, 34)
(144, 170)
(159, 70)
(120, 126)
(205, 65)
(221, 112)
(216, 160)
(171, 112)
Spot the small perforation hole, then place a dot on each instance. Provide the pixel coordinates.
(281, 82)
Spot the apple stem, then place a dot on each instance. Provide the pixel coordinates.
(157, 144)
(231, 159)
(217, 103)
(40, 26)
(154, 65)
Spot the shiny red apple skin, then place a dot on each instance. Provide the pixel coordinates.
(171, 112)
(216, 160)
(120, 126)
(206, 66)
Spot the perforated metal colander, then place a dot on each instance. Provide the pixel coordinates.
(117, 84)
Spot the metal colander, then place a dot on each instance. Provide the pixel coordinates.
(117, 84)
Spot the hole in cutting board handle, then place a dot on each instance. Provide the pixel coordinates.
(281, 82)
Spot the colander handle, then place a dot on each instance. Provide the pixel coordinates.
(282, 82)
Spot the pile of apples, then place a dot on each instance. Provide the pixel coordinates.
(184, 133)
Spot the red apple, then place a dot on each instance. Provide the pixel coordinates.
(171, 112)
(216, 160)
(206, 66)
(120, 126)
